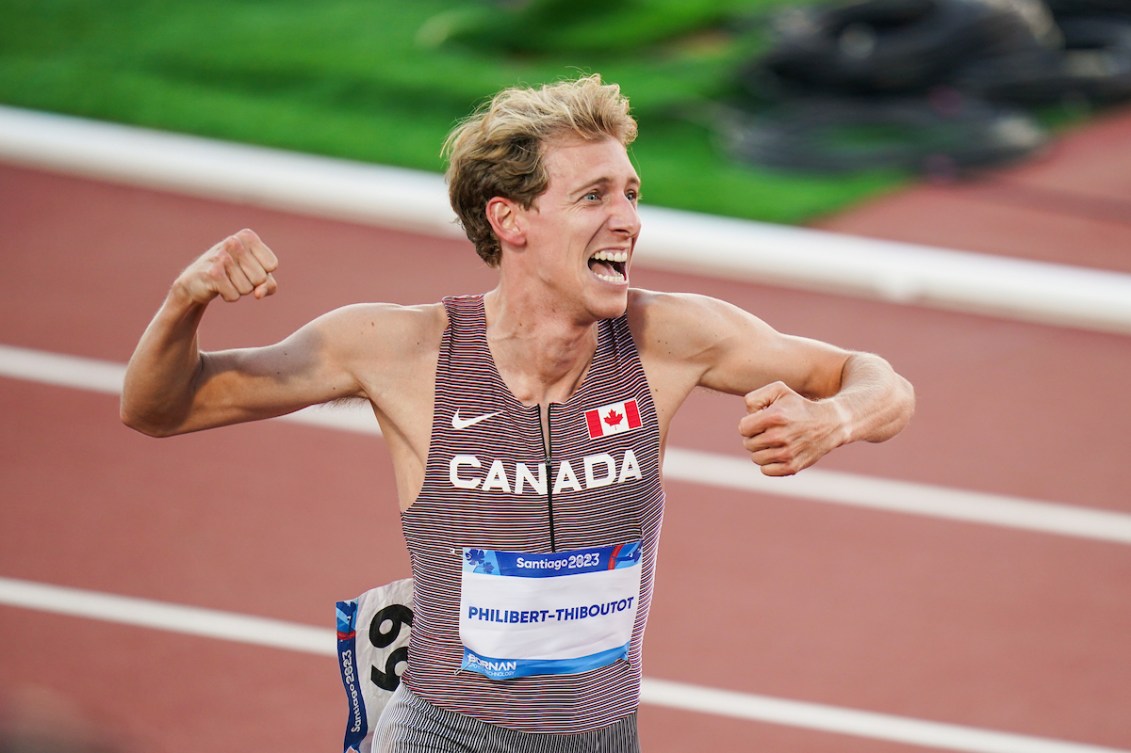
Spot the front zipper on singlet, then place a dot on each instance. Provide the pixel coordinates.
(548, 448)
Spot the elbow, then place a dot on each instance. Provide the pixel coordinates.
(147, 428)
(145, 424)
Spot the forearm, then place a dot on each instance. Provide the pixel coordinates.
(163, 372)
(874, 403)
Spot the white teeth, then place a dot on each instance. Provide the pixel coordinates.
(617, 256)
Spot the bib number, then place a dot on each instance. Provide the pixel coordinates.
(524, 613)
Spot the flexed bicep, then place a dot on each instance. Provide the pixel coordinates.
(310, 367)
(745, 354)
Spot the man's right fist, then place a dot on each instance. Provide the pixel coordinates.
(239, 265)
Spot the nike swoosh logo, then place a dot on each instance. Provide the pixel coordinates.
(463, 423)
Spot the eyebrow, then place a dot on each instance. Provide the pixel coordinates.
(603, 181)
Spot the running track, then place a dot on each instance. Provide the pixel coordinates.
(950, 634)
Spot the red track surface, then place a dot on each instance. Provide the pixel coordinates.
(906, 615)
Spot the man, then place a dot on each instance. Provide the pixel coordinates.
(526, 425)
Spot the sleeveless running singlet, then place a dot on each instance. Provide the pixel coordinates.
(490, 485)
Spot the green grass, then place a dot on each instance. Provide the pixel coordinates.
(384, 81)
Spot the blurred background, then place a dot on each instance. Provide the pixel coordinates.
(1000, 127)
(771, 110)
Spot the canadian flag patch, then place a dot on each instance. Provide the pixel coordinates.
(612, 419)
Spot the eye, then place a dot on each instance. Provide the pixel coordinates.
(593, 195)
(633, 195)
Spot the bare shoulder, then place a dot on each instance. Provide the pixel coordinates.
(386, 348)
(723, 347)
(678, 338)
(681, 325)
(420, 315)
(384, 329)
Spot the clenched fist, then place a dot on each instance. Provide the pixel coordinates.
(785, 432)
(239, 265)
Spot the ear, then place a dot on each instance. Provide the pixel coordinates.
(505, 217)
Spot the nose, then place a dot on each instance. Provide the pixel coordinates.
(625, 217)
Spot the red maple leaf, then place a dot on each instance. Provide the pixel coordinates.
(613, 418)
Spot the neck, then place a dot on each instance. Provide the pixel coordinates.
(542, 354)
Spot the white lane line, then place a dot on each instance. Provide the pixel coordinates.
(211, 623)
(682, 241)
(686, 465)
(902, 497)
(176, 618)
(61, 370)
(935, 735)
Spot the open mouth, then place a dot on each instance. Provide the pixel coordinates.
(610, 266)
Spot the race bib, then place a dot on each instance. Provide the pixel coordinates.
(373, 634)
(544, 614)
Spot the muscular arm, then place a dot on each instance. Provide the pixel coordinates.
(171, 387)
(803, 397)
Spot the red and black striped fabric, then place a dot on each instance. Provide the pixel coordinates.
(603, 491)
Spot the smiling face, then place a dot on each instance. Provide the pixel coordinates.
(579, 235)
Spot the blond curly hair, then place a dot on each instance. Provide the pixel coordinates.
(498, 150)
